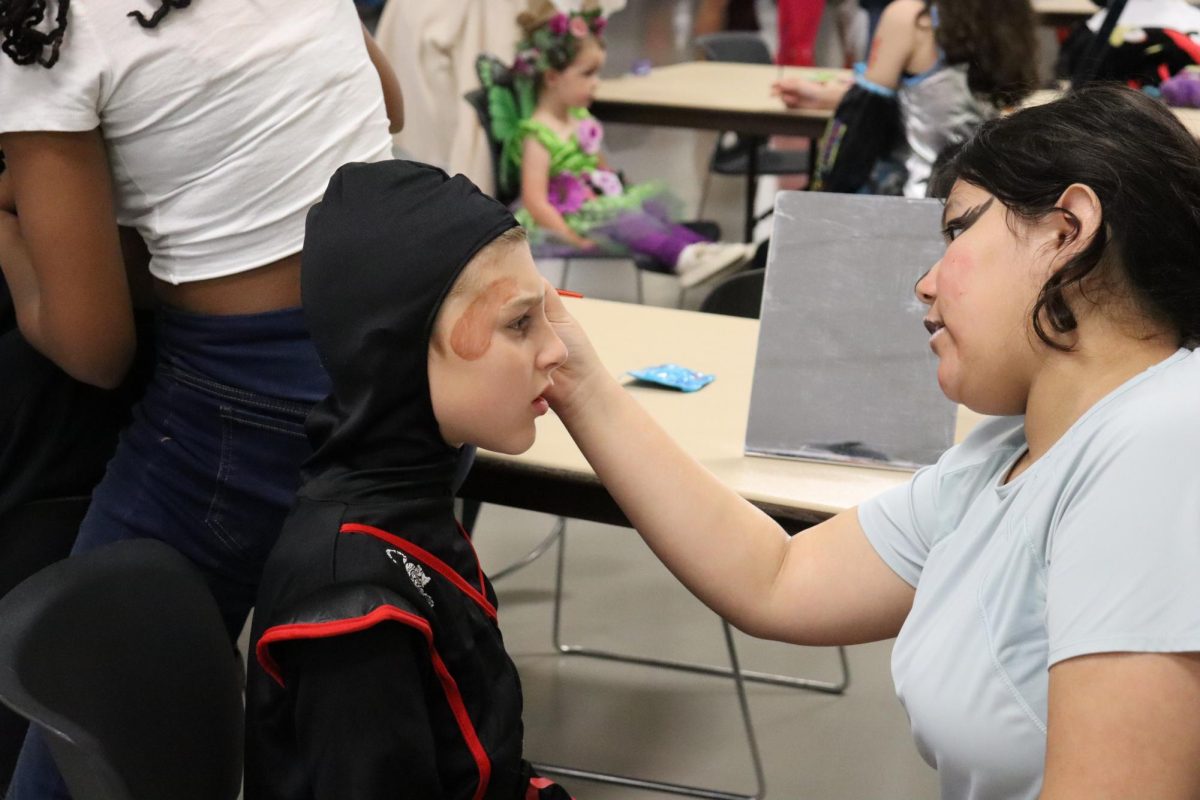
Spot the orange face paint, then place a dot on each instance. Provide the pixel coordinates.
(472, 334)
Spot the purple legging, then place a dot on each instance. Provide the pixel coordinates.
(649, 232)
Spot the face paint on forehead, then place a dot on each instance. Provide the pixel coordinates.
(472, 334)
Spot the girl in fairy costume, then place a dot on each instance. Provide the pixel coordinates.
(570, 200)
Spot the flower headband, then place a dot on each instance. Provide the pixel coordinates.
(555, 43)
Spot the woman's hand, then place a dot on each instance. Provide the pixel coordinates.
(582, 372)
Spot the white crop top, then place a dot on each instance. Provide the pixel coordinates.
(223, 124)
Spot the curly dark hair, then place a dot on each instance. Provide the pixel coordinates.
(24, 43)
(995, 39)
(1144, 167)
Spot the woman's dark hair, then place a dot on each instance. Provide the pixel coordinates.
(995, 39)
(25, 44)
(1144, 167)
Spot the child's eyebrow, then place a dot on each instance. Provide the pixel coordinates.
(526, 300)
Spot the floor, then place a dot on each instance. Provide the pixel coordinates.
(653, 723)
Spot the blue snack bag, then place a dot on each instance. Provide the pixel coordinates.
(674, 377)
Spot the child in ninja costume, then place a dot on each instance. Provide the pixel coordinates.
(380, 668)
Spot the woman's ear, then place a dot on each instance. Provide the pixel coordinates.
(1078, 218)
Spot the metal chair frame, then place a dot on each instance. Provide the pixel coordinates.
(734, 670)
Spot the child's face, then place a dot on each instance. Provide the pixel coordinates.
(493, 352)
(576, 85)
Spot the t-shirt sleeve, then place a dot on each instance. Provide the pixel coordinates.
(361, 715)
(64, 97)
(901, 523)
(1123, 572)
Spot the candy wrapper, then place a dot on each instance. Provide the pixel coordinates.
(674, 377)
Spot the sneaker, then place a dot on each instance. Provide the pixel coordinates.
(704, 261)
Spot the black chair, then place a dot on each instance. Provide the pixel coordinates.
(477, 99)
(735, 157)
(739, 295)
(121, 657)
(32, 536)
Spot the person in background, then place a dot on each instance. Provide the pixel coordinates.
(933, 76)
(570, 198)
(207, 129)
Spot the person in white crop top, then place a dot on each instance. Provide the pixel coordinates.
(1042, 576)
(203, 131)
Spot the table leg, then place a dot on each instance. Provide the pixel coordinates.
(751, 186)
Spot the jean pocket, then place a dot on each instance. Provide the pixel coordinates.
(257, 476)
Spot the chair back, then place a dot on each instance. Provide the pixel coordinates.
(32, 536)
(478, 100)
(741, 47)
(121, 657)
(739, 295)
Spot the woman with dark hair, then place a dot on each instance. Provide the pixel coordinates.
(936, 71)
(208, 128)
(1041, 577)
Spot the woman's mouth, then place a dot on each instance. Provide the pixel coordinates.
(933, 326)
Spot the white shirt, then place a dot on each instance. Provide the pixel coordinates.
(1094, 548)
(223, 124)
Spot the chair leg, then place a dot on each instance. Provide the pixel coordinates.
(640, 289)
(533, 555)
(826, 687)
(704, 194)
(566, 270)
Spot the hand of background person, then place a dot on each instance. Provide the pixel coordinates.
(797, 93)
(582, 367)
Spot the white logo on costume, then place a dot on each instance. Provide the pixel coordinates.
(415, 573)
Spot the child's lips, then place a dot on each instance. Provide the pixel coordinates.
(540, 406)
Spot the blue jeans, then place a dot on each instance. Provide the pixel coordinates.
(209, 465)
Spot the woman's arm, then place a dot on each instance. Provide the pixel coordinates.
(894, 47)
(824, 586)
(535, 183)
(393, 97)
(1124, 725)
(61, 256)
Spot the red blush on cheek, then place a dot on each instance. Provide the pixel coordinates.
(954, 273)
(472, 334)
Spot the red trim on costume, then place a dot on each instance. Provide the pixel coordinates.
(428, 559)
(470, 544)
(1184, 43)
(324, 630)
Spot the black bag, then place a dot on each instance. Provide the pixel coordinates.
(864, 128)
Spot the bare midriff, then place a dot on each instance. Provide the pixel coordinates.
(270, 287)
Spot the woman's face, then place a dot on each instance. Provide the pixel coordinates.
(493, 353)
(981, 296)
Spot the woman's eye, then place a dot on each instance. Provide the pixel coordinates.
(952, 231)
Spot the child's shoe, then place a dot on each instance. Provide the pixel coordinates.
(703, 261)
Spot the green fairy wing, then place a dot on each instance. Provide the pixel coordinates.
(510, 99)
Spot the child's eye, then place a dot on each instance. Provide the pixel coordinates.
(521, 323)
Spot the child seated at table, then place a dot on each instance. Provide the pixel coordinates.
(570, 200)
(380, 669)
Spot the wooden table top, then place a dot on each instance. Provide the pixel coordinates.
(711, 95)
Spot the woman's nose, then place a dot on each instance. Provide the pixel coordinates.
(926, 288)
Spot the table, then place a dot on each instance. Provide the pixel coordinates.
(553, 477)
(1190, 117)
(1063, 12)
(718, 96)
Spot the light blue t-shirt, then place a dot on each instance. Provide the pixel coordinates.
(1094, 548)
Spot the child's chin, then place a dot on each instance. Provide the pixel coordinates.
(513, 445)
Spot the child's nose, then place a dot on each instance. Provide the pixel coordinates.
(554, 353)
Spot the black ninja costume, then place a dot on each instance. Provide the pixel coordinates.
(380, 668)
